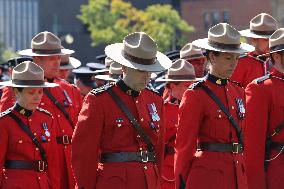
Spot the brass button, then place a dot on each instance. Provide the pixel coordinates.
(138, 136)
(30, 120)
(142, 119)
(145, 167)
(6, 177)
(136, 101)
(220, 116)
(38, 178)
(58, 115)
(63, 130)
(227, 90)
(48, 140)
(140, 149)
(34, 134)
(233, 107)
(36, 149)
(20, 141)
(42, 104)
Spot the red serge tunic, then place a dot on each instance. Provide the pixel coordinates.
(265, 108)
(62, 126)
(248, 69)
(171, 108)
(201, 120)
(103, 128)
(17, 145)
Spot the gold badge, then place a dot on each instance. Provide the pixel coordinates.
(219, 82)
(22, 111)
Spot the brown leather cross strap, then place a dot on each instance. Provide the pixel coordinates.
(132, 119)
(59, 106)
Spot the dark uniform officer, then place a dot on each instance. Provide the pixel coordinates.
(209, 143)
(178, 78)
(63, 102)
(264, 134)
(250, 66)
(128, 158)
(28, 151)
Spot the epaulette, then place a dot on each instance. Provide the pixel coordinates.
(237, 83)
(44, 111)
(195, 85)
(6, 112)
(100, 90)
(263, 78)
(153, 90)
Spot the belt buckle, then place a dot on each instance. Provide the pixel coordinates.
(41, 166)
(144, 156)
(65, 140)
(237, 148)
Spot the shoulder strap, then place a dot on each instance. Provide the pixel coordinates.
(226, 111)
(59, 106)
(27, 130)
(132, 119)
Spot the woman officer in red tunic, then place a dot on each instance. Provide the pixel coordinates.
(28, 152)
(209, 150)
(178, 78)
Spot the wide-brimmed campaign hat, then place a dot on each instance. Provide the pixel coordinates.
(138, 51)
(27, 74)
(45, 44)
(223, 38)
(261, 26)
(276, 41)
(69, 63)
(114, 72)
(190, 51)
(181, 70)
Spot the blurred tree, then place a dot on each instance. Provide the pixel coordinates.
(110, 20)
(5, 54)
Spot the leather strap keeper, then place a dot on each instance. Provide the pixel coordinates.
(143, 156)
(65, 140)
(221, 147)
(39, 166)
(277, 146)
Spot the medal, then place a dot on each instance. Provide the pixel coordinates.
(43, 138)
(45, 128)
(241, 108)
(119, 122)
(153, 112)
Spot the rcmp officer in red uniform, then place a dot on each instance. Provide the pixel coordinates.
(195, 57)
(178, 78)
(63, 102)
(209, 141)
(253, 65)
(121, 124)
(264, 134)
(28, 151)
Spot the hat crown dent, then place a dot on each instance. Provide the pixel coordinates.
(65, 58)
(225, 34)
(115, 68)
(181, 67)
(190, 50)
(46, 40)
(28, 70)
(140, 45)
(277, 38)
(263, 22)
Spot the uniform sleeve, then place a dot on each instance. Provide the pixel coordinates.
(257, 102)
(190, 117)
(7, 99)
(3, 149)
(53, 164)
(160, 145)
(86, 142)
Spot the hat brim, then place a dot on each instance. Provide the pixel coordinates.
(203, 43)
(45, 85)
(193, 58)
(114, 51)
(73, 64)
(176, 80)
(105, 77)
(29, 52)
(247, 33)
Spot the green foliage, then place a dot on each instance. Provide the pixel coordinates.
(110, 20)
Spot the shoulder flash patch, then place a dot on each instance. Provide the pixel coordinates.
(196, 84)
(44, 111)
(99, 90)
(153, 90)
(263, 78)
(6, 112)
